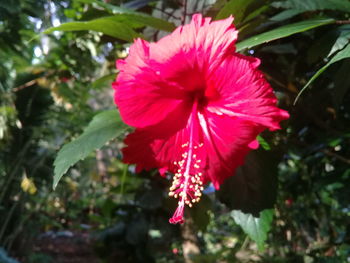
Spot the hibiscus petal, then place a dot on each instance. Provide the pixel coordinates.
(158, 146)
(227, 141)
(143, 97)
(244, 93)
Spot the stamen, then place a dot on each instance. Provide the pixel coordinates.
(187, 182)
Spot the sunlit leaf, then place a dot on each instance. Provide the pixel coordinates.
(107, 25)
(104, 127)
(263, 143)
(256, 228)
(281, 32)
(135, 16)
(345, 53)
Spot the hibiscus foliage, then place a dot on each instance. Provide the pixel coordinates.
(288, 200)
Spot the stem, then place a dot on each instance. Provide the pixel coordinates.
(335, 155)
(16, 166)
(190, 241)
(8, 242)
(245, 243)
(124, 174)
(7, 220)
(167, 13)
(183, 19)
(342, 22)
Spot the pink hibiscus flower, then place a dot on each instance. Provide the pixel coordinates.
(197, 106)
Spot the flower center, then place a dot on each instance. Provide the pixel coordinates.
(202, 96)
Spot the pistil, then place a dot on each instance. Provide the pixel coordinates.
(187, 183)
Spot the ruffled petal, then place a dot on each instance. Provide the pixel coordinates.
(198, 47)
(244, 93)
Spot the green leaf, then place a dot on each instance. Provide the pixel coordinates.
(341, 84)
(345, 53)
(255, 13)
(103, 81)
(264, 144)
(295, 7)
(236, 8)
(255, 227)
(342, 40)
(200, 213)
(135, 16)
(104, 127)
(313, 5)
(107, 25)
(151, 21)
(283, 31)
(286, 14)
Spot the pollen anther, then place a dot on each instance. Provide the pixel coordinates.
(187, 182)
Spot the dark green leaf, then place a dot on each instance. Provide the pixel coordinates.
(341, 84)
(107, 25)
(253, 187)
(137, 230)
(342, 40)
(281, 32)
(284, 15)
(236, 8)
(151, 199)
(104, 127)
(255, 227)
(199, 213)
(255, 13)
(345, 53)
(313, 5)
(318, 50)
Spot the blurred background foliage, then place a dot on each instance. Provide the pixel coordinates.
(294, 188)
